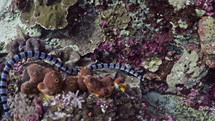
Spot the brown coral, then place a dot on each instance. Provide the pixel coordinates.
(85, 81)
(70, 84)
(103, 87)
(52, 83)
(50, 15)
(36, 74)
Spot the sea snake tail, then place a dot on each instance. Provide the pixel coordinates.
(117, 66)
(54, 61)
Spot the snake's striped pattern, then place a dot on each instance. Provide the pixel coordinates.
(54, 61)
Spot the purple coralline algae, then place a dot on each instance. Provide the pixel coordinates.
(132, 52)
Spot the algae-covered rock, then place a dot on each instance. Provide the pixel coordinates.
(67, 55)
(86, 37)
(187, 71)
(160, 104)
(117, 18)
(49, 16)
(206, 32)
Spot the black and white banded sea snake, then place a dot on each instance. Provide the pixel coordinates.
(54, 61)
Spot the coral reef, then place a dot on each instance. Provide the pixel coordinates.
(206, 32)
(162, 72)
(187, 71)
(206, 7)
(132, 52)
(170, 43)
(52, 16)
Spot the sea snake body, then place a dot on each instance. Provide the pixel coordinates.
(54, 61)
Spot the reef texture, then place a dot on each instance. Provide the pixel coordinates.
(206, 32)
(49, 16)
(187, 71)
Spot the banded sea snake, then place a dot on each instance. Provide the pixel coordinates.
(54, 61)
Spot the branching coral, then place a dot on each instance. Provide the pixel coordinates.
(49, 16)
(23, 109)
(66, 102)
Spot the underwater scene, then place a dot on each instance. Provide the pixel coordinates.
(107, 60)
